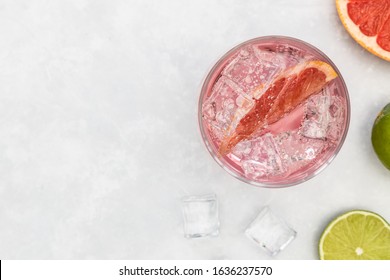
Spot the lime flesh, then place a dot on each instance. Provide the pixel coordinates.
(380, 136)
(356, 235)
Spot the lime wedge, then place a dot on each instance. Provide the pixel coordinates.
(356, 235)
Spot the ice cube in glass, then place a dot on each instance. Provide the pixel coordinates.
(240, 92)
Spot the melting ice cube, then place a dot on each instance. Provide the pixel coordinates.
(317, 119)
(292, 55)
(253, 67)
(298, 151)
(219, 108)
(337, 113)
(200, 216)
(324, 116)
(259, 157)
(270, 232)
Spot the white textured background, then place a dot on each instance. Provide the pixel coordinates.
(99, 137)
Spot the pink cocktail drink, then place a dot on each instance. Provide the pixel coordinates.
(295, 145)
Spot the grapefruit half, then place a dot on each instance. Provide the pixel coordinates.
(368, 22)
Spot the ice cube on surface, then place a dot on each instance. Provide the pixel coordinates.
(200, 215)
(270, 232)
(260, 157)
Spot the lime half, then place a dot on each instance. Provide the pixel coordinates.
(356, 235)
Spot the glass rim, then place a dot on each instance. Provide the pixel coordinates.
(230, 169)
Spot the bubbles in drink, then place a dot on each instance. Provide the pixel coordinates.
(297, 117)
(259, 157)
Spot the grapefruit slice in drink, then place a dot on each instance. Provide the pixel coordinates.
(287, 92)
(368, 22)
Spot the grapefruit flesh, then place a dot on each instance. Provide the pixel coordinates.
(285, 94)
(368, 22)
